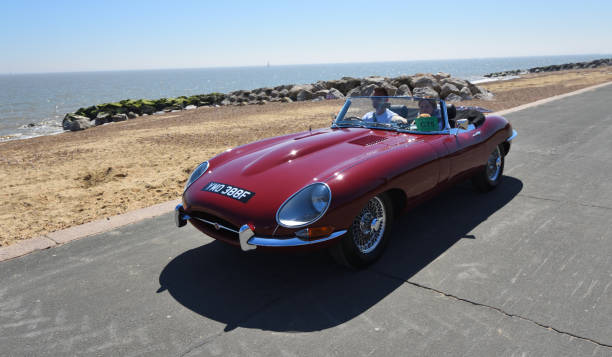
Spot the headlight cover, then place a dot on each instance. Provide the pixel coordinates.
(305, 206)
(199, 171)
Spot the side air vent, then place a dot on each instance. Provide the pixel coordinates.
(368, 140)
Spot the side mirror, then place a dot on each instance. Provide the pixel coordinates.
(463, 124)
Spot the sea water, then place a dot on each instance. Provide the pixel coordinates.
(35, 104)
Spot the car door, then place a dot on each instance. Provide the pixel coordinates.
(464, 151)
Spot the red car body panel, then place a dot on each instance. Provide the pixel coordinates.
(356, 163)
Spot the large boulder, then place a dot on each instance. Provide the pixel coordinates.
(426, 81)
(119, 117)
(465, 93)
(76, 122)
(304, 95)
(425, 92)
(147, 109)
(319, 85)
(391, 89)
(453, 98)
(321, 93)
(293, 92)
(102, 118)
(284, 86)
(402, 80)
(345, 84)
(457, 82)
(334, 94)
(441, 75)
(367, 90)
(81, 123)
(355, 92)
(403, 89)
(447, 89)
(373, 80)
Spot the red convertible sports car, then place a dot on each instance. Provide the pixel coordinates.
(341, 187)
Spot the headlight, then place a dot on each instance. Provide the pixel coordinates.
(305, 206)
(199, 171)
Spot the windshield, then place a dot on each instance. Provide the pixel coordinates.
(393, 113)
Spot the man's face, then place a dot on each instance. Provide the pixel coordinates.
(379, 103)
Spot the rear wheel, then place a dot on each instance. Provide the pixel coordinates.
(368, 235)
(490, 176)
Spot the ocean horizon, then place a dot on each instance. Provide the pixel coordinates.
(34, 104)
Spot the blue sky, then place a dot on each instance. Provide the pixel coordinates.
(58, 36)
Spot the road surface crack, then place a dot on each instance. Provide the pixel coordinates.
(583, 204)
(456, 298)
(206, 340)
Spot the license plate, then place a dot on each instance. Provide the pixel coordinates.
(230, 191)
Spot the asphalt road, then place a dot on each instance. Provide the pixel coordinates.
(523, 270)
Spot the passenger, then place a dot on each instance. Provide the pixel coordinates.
(429, 118)
(427, 106)
(381, 114)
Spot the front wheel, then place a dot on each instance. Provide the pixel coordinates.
(368, 235)
(489, 177)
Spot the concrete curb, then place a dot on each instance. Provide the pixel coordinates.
(53, 239)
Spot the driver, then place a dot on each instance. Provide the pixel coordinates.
(381, 114)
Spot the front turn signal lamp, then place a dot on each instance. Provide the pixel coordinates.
(314, 232)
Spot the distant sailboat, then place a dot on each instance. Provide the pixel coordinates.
(268, 64)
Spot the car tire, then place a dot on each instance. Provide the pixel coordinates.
(490, 175)
(367, 236)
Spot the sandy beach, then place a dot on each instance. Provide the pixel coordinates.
(54, 182)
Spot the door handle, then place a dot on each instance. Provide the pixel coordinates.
(476, 133)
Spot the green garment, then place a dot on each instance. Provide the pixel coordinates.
(427, 124)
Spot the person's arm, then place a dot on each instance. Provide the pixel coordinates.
(398, 119)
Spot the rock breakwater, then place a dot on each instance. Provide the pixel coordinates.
(439, 85)
(552, 68)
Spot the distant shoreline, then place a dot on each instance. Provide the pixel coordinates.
(602, 62)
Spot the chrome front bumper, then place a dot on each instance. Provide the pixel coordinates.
(247, 238)
(514, 133)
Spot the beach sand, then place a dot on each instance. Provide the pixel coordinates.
(55, 182)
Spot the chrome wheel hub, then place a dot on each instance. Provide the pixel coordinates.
(494, 165)
(369, 226)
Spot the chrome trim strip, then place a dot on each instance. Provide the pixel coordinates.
(291, 242)
(514, 133)
(214, 224)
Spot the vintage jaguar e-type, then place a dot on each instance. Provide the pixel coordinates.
(341, 187)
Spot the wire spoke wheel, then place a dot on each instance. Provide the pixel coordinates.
(490, 176)
(494, 165)
(369, 226)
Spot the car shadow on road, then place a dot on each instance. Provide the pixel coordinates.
(303, 292)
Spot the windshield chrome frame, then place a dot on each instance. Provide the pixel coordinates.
(443, 110)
